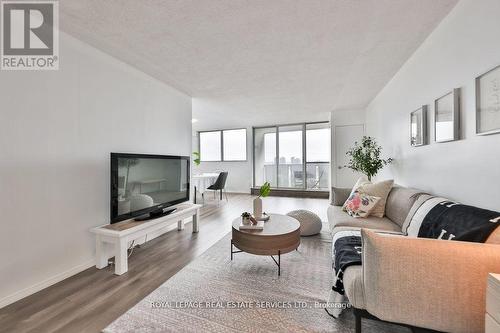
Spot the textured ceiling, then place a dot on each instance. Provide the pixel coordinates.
(260, 59)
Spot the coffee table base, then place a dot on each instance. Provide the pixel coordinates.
(277, 262)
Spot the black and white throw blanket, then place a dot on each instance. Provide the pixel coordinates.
(346, 253)
(440, 218)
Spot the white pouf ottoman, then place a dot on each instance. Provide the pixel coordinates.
(310, 223)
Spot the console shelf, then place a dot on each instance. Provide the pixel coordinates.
(113, 239)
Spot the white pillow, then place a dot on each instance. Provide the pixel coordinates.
(362, 180)
(381, 190)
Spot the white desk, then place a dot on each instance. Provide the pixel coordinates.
(149, 182)
(113, 239)
(202, 181)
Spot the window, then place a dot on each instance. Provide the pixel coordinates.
(292, 156)
(290, 173)
(265, 168)
(235, 145)
(317, 156)
(225, 145)
(210, 146)
(318, 143)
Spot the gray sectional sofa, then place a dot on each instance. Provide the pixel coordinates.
(425, 283)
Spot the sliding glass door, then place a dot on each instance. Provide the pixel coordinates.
(290, 162)
(317, 156)
(265, 167)
(292, 156)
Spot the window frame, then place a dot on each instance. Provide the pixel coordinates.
(222, 144)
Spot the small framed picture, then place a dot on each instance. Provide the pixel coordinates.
(488, 102)
(418, 127)
(447, 117)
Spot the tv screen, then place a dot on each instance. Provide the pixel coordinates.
(147, 184)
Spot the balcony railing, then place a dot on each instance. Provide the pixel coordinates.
(291, 175)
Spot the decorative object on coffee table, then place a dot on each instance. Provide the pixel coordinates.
(257, 202)
(264, 217)
(245, 218)
(281, 234)
(259, 226)
(310, 223)
(365, 157)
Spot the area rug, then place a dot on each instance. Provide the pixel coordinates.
(215, 294)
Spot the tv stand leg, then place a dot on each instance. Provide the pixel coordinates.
(121, 257)
(180, 225)
(196, 220)
(101, 253)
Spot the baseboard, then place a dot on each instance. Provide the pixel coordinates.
(45, 284)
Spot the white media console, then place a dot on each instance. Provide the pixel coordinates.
(114, 239)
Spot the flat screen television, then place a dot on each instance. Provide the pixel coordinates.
(144, 186)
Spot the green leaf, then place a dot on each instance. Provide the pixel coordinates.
(265, 189)
(197, 159)
(365, 157)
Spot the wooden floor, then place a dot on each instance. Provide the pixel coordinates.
(90, 300)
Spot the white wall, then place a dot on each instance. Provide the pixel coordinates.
(57, 130)
(463, 46)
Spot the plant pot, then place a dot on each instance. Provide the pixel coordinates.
(257, 208)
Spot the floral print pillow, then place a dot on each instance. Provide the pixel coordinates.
(360, 204)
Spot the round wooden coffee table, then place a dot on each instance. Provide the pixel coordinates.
(281, 235)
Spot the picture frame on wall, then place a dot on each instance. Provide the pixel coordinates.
(418, 127)
(447, 117)
(488, 102)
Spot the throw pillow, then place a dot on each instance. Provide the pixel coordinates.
(361, 181)
(381, 190)
(360, 204)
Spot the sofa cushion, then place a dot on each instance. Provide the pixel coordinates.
(338, 218)
(340, 195)
(354, 286)
(399, 203)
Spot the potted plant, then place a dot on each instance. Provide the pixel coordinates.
(365, 157)
(257, 202)
(245, 218)
(196, 159)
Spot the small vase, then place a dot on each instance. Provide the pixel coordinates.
(257, 208)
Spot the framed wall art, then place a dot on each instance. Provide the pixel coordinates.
(488, 102)
(418, 127)
(447, 117)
